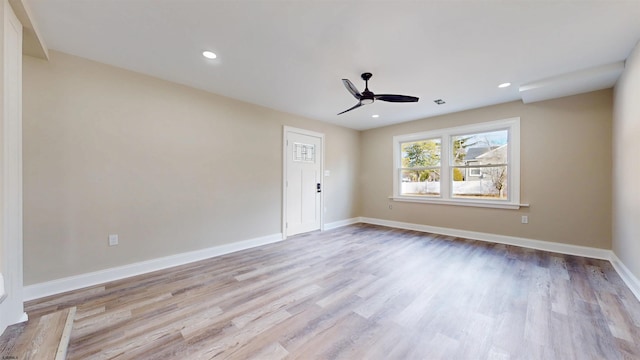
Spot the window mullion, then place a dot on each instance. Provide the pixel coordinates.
(445, 173)
(478, 166)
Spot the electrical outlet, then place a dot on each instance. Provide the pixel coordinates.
(390, 207)
(525, 219)
(113, 239)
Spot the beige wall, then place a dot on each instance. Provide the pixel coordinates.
(565, 175)
(626, 166)
(173, 169)
(168, 168)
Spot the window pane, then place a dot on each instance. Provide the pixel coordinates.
(423, 153)
(490, 183)
(485, 148)
(420, 182)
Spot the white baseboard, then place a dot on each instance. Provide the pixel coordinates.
(341, 223)
(627, 276)
(37, 291)
(500, 239)
(58, 286)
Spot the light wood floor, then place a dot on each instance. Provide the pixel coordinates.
(361, 292)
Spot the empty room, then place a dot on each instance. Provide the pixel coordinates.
(312, 179)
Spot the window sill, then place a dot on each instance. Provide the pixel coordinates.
(474, 203)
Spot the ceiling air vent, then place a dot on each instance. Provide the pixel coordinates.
(438, 101)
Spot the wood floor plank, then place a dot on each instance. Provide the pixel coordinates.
(43, 338)
(273, 351)
(65, 336)
(358, 292)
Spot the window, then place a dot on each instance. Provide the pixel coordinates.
(474, 165)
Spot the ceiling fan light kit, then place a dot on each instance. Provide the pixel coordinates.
(368, 97)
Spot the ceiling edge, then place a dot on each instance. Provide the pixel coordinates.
(32, 42)
(573, 83)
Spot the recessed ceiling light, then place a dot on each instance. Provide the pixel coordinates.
(504, 85)
(375, 116)
(209, 54)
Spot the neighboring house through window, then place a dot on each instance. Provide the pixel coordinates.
(473, 165)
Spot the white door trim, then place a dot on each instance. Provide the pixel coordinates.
(285, 131)
(11, 253)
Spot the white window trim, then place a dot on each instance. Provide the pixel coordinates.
(446, 198)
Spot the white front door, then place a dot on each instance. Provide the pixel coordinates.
(303, 181)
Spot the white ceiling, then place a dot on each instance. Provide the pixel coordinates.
(292, 55)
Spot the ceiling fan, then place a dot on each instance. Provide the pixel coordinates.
(367, 97)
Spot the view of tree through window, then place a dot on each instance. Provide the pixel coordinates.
(421, 166)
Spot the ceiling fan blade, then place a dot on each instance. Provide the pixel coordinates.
(352, 88)
(396, 98)
(349, 109)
